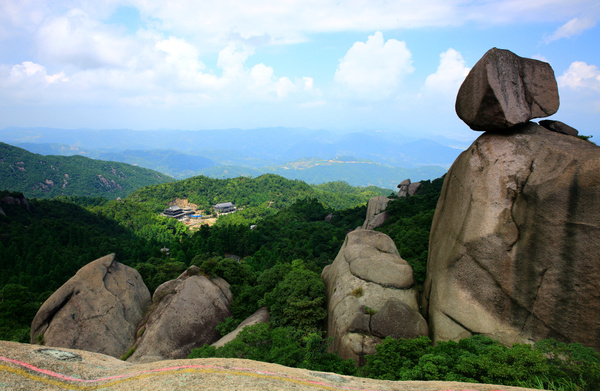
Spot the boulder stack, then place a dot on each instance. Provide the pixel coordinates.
(514, 242)
(97, 310)
(407, 188)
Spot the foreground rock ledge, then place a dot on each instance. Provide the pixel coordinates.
(69, 366)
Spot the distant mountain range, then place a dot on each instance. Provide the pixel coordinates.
(352, 171)
(379, 158)
(47, 176)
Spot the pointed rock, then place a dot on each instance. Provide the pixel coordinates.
(375, 218)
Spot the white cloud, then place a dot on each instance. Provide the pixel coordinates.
(77, 40)
(292, 20)
(265, 21)
(29, 71)
(449, 75)
(572, 28)
(374, 69)
(581, 76)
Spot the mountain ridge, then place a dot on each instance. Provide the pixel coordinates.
(48, 176)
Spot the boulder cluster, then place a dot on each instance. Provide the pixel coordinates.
(106, 308)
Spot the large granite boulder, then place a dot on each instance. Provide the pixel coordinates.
(515, 241)
(97, 310)
(370, 295)
(503, 90)
(183, 316)
(376, 215)
(260, 316)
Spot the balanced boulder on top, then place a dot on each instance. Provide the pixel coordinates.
(503, 90)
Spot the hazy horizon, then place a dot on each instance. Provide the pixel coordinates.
(345, 67)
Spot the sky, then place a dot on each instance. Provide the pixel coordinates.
(345, 65)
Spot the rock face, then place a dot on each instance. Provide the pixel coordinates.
(515, 241)
(184, 316)
(370, 295)
(503, 90)
(260, 316)
(97, 310)
(375, 218)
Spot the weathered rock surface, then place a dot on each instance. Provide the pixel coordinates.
(503, 90)
(375, 218)
(184, 316)
(370, 294)
(62, 369)
(515, 241)
(260, 316)
(98, 309)
(559, 127)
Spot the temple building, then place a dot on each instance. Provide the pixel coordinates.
(177, 212)
(225, 207)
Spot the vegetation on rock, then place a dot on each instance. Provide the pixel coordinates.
(277, 264)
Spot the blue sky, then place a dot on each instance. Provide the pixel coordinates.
(340, 65)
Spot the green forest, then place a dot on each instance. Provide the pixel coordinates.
(281, 260)
(49, 176)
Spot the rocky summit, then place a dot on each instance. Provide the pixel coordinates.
(514, 241)
(503, 90)
(32, 367)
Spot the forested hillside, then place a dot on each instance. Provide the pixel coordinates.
(279, 266)
(49, 176)
(42, 247)
(264, 195)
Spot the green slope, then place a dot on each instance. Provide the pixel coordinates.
(39, 176)
(266, 191)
